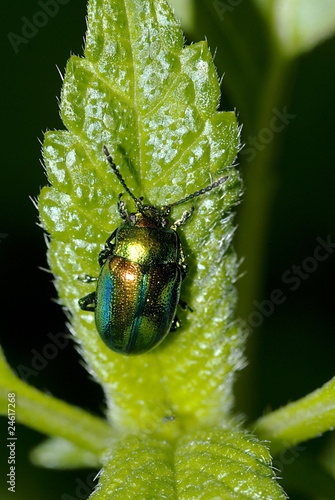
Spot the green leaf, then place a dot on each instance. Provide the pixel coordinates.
(49, 415)
(7, 378)
(296, 26)
(215, 464)
(153, 103)
(300, 24)
(58, 453)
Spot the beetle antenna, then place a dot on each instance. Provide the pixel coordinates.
(119, 176)
(200, 192)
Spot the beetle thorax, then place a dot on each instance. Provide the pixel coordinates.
(146, 245)
(149, 217)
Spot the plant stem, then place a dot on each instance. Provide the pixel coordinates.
(260, 180)
(51, 416)
(296, 422)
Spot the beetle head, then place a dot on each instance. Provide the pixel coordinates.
(149, 216)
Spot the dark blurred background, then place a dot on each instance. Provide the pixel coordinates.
(294, 350)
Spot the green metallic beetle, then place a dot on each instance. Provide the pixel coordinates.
(142, 268)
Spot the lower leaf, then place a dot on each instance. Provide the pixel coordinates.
(214, 464)
(58, 453)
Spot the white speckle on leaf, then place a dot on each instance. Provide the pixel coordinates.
(56, 215)
(202, 67)
(59, 173)
(90, 247)
(93, 129)
(207, 204)
(70, 158)
(51, 152)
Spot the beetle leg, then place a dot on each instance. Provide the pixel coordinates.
(104, 254)
(108, 243)
(121, 206)
(108, 250)
(87, 278)
(180, 222)
(184, 268)
(176, 323)
(87, 303)
(182, 262)
(184, 305)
